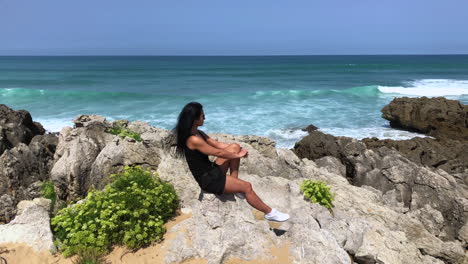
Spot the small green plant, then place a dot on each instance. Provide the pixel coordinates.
(89, 256)
(119, 129)
(48, 192)
(131, 210)
(318, 192)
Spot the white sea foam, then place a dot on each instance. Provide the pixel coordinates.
(430, 88)
(54, 124)
(378, 132)
(286, 138)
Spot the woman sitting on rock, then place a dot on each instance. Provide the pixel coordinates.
(195, 145)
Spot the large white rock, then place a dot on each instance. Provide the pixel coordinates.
(30, 226)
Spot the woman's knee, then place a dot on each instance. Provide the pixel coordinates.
(235, 147)
(248, 187)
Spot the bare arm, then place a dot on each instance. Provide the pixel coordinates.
(199, 144)
(213, 142)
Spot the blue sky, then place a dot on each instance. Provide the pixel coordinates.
(240, 27)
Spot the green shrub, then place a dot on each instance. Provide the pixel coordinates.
(48, 192)
(90, 256)
(318, 192)
(119, 129)
(131, 211)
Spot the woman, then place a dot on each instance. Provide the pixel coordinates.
(195, 145)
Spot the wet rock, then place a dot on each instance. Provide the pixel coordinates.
(310, 128)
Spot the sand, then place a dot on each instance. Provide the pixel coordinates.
(18, 253)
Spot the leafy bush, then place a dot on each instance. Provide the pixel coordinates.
(48, 191)
(89, 256)
(121, 130)
(318, 192)
(131, 211)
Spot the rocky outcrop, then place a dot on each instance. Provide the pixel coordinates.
(436, 194)
(446, 154)
(25, 160)
(16, 127)
(22, 170)
(367, 224)
(438, 117)
(31, 225)
(86, 155)
(400, 180)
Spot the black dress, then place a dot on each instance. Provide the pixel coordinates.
(208, 174)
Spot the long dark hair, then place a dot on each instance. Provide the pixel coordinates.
(182, 130)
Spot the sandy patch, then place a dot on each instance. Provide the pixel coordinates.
(19, 253)
(280, 255)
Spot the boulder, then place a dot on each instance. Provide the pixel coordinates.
(438, 117)
(30, 226)
(332, 165)
(16, 127)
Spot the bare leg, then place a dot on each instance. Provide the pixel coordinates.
(231, 165)
(234, 185)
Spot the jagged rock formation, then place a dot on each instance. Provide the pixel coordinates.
(16, 127)
(446, 154)
(396, 177)
(26, 157)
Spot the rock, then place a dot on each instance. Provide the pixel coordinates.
(463, 234)
(86, 155)
(224, 227)
(447, 154)
(332, 164)
(386, 170)
(438, 117)
(22, 170)
(432, 219)
(31, 226)
(359, 203)
(310, 128)
(7, 208)
(16, 127)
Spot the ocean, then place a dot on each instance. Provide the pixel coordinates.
(272, 96)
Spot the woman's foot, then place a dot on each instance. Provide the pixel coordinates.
(276, 215)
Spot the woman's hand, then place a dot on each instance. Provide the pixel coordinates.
(243, 153)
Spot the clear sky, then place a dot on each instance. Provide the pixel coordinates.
(233, 27)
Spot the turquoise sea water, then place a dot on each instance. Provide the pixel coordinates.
(273, 96)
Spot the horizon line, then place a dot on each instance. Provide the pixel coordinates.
(272, 55)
